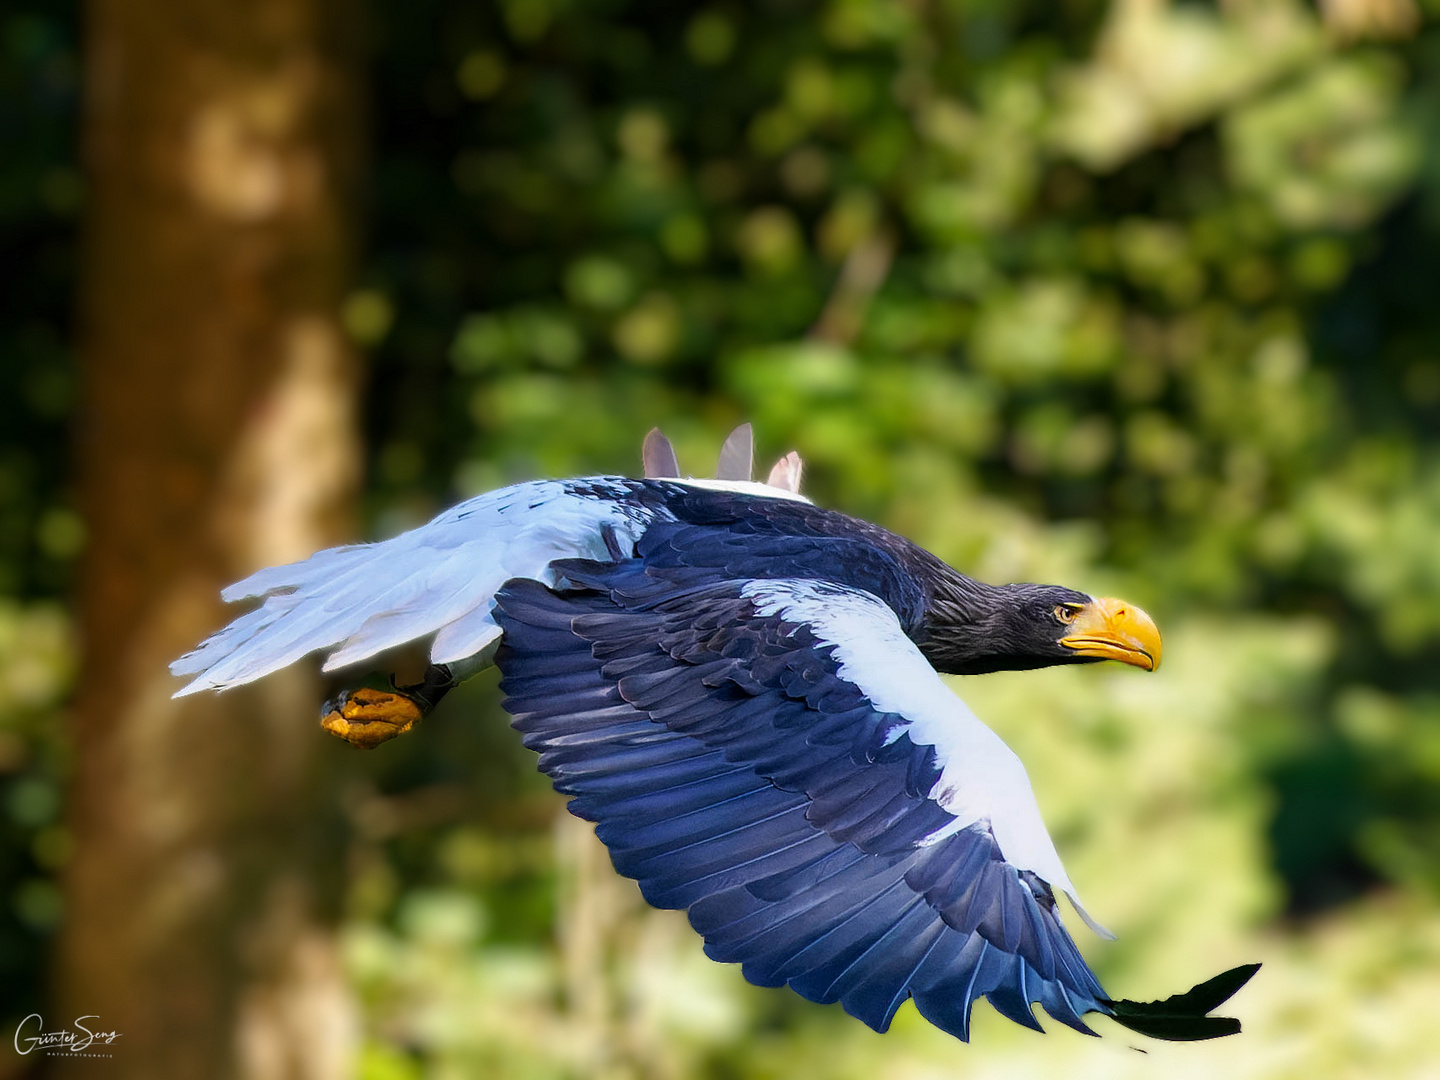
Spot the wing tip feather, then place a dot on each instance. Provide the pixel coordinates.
(1185, 1017)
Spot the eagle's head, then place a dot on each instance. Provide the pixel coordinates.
(983, 628)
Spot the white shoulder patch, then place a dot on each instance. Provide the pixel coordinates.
(981, 779)
(740, 487)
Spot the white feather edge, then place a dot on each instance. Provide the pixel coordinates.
(981, 779)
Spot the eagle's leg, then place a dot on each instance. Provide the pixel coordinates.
(366, 717)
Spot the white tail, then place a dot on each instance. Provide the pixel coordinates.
(439, 579)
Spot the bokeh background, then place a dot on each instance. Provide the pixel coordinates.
(1139, 296)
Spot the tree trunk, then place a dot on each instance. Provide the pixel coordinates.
(222, 140)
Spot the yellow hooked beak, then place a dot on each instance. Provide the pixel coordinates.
(1111, 629)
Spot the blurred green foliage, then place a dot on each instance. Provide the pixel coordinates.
(41, 192)
(1139, 297)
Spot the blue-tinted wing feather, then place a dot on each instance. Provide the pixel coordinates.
(733, 772)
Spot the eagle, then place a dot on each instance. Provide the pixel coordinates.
(742, 691)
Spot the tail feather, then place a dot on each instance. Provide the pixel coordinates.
(464, 637)
(221, 644)
(430, 598)
(296, 575)
(439, 579)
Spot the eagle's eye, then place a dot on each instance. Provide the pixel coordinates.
(1066, 612)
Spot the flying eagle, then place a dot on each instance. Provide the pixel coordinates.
(742, 691)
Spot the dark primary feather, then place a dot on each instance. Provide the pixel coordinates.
(1182, 1018)
(737, 456)
(732, 773)
(658, 456)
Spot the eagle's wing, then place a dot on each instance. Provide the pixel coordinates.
(777, 757)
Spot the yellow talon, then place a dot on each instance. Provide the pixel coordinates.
(366, 718)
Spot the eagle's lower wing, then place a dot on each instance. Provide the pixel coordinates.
(777, 758)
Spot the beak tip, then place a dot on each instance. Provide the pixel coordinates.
(1110, 629)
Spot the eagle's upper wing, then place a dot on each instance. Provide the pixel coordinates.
(777, 757)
